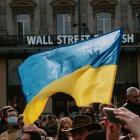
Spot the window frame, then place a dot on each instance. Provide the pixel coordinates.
(64, 25)
(103, 22)
(23, 21)
(137, 12)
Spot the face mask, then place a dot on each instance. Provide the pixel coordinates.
(88, 114)
(12, 121)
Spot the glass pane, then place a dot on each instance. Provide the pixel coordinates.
(13, 78)
(20, 28)
(126, 71)
(138, 21)
(107, 25)
(63, 24)
(60, 106)
(59, 24)
(23, 24)
(99, 26)
(103, 22)
(67, 24)
(26, 28)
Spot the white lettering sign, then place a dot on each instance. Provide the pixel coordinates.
(128, 38)
(68, 39)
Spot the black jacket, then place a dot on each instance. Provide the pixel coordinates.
(132, 107)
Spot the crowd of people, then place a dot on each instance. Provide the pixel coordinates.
(87, 125)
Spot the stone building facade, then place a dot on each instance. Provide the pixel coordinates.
(68, 18)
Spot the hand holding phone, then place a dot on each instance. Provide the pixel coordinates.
(109, 113)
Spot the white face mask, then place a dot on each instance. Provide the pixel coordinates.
(12, 121)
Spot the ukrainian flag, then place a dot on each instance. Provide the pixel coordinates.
(86, 71)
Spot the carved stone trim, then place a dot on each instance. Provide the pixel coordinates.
(135, 5)
(103, 5)
(63, 6)
(22, 6)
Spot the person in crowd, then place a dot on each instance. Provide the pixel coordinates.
(11, 118)
(133, 100)
(42, 133)
(33, 127)
(57, 122)
(132, 103)
(61, 115)
(31, 135)
(3, 122)
(51, 127)
(21, 125)
(41, 121)
(30, 127)
(101, 115)
(65, 123)
(82, 125)
(88, 110)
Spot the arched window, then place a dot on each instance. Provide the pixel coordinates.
(23, 24)
(63, 23)
(103, 22)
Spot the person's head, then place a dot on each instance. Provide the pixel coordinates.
(51, 118)
(101, 106)
(133, 95)
(81, 126)
(62, 114)
(65, 122)
(11, 117)
(20, 121)
(42, 117)
(88, 110)
(30, 127)
(3, 110)
(31, 135)
(3, 114)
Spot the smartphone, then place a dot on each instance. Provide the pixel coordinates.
(109, 113)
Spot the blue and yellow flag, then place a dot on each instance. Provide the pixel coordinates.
(86, 71)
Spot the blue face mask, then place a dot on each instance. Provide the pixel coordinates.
(12, 121)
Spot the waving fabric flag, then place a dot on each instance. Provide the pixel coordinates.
(86, 71)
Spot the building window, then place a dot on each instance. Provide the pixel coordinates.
(23, 24)
(15, 97)
(63, 24)
(13, 78)
(103, 22)
(138, 21)
(126, 72)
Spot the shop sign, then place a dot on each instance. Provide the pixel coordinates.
(68, 39)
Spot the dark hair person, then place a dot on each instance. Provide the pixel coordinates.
(31, 135)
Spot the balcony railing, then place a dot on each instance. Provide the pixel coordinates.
(11, 40)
